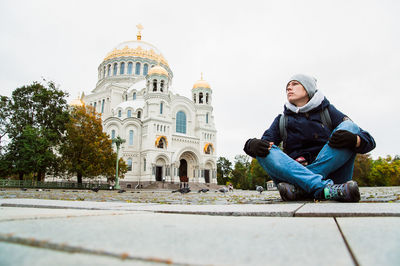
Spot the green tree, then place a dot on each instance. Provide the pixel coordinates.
(37, 118)
(258, 176)
(4, 115)
(28, 152)
(362, 170)
(87, 150)
(240, 173)
(385, 172)
(224, 169)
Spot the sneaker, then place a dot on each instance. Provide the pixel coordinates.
(347, 192)
(290, 192)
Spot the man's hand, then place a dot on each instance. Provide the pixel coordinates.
(257, 147)
(344, 139)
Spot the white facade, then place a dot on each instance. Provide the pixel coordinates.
(168, 136)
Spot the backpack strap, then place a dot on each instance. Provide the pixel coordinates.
(326, 118)
(283, 120)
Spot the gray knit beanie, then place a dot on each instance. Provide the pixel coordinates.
(309, 83)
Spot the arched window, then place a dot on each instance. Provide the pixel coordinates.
(95, 105)
(130, 137)
(200, 97)
(129, 164)
(129, 113)
(207, 118)
(130, 66)
(181, 122)
(134, 96)
(113, 134)
(126, 97)
(144, 164)
(162, 85)
(145, 69)
(115, 69)
(102, 106)
(206, 97)
(154, 85)
(139, 114)
(137, 69)
(161, 108)
(194, 98)
(109, 70)
(122, 68)
(104, 72)
(119, 113)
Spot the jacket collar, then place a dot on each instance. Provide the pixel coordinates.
(316, 101)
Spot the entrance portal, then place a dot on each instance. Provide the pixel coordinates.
(158, 173)
(183, 171)
(207, 175)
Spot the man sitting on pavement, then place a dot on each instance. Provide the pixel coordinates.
(319, 146)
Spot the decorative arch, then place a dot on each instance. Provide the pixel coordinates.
(211, 163)
(162, 157)
(177, 155)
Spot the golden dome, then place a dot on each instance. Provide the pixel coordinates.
(77, 102)
(158, 70)
(137, 48)
(201, 83)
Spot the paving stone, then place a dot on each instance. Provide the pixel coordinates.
(194, 239)
(334, 209)
(18, 255)
(10, 214)
(282, 210)
(373, 240)
(41, 203)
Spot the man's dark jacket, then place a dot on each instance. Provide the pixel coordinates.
(306, 134)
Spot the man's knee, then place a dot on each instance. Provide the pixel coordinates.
(349, 126)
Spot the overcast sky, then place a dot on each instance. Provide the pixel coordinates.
(247, 51)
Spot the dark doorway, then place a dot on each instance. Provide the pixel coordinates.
(207, 176)
(183, 170)
(158, 173)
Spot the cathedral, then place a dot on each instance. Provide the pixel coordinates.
(168, 137)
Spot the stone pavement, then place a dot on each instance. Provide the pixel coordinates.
(36, 231)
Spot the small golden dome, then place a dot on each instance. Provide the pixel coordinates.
(77, 102)
(158, 70)
(201, 83)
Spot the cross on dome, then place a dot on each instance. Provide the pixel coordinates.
(139, 34)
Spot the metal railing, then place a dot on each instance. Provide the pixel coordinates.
(6, 183)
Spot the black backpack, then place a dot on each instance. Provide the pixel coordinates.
(283, 120)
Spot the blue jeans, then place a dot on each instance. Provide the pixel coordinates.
(332, 166)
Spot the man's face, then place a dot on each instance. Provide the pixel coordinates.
(296, 94)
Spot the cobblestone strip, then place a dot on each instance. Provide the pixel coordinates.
(10, 238)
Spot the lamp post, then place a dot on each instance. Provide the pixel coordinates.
(118, 141)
